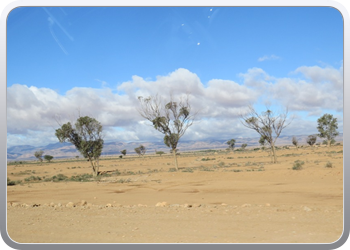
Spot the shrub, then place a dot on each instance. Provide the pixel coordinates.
(298, 165)
(329, 165)
(10, 183)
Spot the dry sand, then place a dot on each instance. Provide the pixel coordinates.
(235, 197)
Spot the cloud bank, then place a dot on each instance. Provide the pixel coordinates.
(33, 113)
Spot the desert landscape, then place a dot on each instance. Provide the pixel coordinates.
(217, 196)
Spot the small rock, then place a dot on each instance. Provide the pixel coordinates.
(52, 204)
(70, 204)
(197, 205)
(267, 204)
(36, 205)
(223, 204)
(246, 205)
(162, 204)
(187, 205)
(83, 203)
(307, 209)
(109, 205)
(15, 204)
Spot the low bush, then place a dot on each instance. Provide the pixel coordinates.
(298, 165)
(329, 165)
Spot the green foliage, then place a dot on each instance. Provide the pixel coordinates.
(171, 140)
(120, 156)
(48, 157)
(86, 136)
(231, 144)
(311, 139)
(298, 165)
(123, 152)
(244, 145)
(159, 153)
(327, 128)
(140, 150)
(10, 183)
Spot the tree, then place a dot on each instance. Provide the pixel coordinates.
(168, 117)
(140, 150)
(295, 142)
(159, 153)
(244, 145)
(231, 144)
(39, 155)
(267, 124)
(327, 128)
(311, 140)
(48, 157)
(123, 152)
(86, 136)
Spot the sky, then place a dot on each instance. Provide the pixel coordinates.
(98, 60)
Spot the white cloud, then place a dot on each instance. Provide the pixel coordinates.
(31, 111)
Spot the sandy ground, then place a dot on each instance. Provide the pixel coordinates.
(235, 197)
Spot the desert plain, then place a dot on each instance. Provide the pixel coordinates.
(216, 196)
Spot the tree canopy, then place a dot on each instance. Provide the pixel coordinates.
(327, 128)
(169, 117)
(86, 136)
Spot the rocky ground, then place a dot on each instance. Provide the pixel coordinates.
(215, 197)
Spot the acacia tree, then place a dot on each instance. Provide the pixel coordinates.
(243, 146)
(311, 140)
(327, 128)
(268, 124)
(86, 136)
(168, 117)
(231, 144)
(123, 152)
(48, 157)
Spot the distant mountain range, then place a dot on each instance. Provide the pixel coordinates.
(67, 150)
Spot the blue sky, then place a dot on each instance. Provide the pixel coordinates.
(60, 59)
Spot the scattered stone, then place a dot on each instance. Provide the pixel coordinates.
(187, 205)
(36, 205)
(307, 209)
(52, 204)
(223, 204)
(15, 204)
(83, 203)
(109, 205)
(70, 204)
(246, 205)
(24, 205)
(197, 205)
(267, 204)
(162, 204)
(59, 205)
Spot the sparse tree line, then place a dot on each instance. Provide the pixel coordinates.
(172, 119)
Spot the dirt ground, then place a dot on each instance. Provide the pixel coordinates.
(215, 197)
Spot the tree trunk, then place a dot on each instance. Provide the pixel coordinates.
(274, 153)
(329, 143)
(94, 167)
(175, 158)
